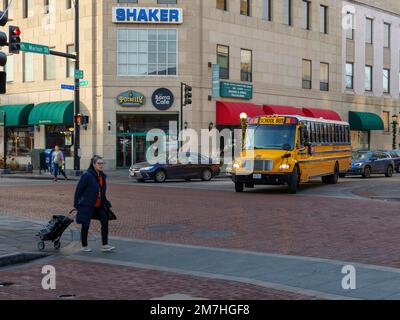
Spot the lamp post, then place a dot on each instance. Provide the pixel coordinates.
(243, 119)
(394, 126)
(4, 170)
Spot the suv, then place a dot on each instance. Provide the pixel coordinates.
(366, 163)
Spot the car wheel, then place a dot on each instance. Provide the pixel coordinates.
(160, 176)
(206, 175)
(398, 170)
(367, 172)
(239, 187)
(334, 178)
(293, 184)
(389, 172)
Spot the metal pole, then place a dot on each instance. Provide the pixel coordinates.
(77, 165)
(181, 124)
(4, 141)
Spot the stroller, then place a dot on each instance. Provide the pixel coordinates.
(54, 231)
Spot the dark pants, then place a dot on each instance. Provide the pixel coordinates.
(58, 170)
(102, 216)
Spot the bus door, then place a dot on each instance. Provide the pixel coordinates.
(303, 155)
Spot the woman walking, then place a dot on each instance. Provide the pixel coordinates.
(58, 163)
(91, 203)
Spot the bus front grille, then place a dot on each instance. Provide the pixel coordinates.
(258, 165)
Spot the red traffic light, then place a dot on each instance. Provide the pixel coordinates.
(16, 32)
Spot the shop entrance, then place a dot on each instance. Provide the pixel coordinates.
(360, 140)
(132, 132)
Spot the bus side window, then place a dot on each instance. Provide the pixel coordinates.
(347, 136)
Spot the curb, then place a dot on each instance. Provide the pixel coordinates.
(19, 257)
(13, 176)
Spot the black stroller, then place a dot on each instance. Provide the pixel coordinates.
(54, 231)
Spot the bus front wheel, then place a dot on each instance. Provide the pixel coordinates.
(293, 184)
(239, 187)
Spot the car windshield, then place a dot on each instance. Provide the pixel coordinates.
(362, 155)
(270, 137)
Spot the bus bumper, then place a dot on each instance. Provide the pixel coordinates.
(262, 179)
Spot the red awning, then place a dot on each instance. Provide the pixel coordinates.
(322, 113)
(228, 113)
(282, 110)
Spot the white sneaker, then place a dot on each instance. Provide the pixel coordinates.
(86, 249)
(107, 248)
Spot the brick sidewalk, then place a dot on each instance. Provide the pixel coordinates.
(124, 283)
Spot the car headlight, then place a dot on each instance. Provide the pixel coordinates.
(148, 168)
(285, 166)
(358, 164)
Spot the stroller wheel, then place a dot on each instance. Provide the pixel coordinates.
(41, 245)
(57, 245)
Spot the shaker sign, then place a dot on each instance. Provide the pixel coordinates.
(162, 99)
(147, 15)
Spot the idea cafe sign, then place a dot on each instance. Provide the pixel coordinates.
(147, 15)
(131, 99)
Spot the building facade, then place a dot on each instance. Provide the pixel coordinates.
(252, 56)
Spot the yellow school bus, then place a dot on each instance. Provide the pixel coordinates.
(291, 150)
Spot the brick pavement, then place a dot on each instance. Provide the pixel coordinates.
(342, 229)
(125, 283)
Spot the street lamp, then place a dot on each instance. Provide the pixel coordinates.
(394, 126)
(243, 119)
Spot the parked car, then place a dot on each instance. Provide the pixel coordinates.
(366, 163)
(185, 166)
(395, 155)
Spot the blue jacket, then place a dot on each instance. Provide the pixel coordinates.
(86, 194)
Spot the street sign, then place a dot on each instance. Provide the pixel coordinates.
(35, 48)
(79, 74)
(83, 83)
(67, 87)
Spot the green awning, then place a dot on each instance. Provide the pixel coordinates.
(16, 115)
(365, 121)
(60, 112)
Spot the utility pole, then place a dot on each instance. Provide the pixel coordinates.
(4, 170)
(77, 153)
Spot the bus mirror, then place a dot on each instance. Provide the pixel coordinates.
(307, 144)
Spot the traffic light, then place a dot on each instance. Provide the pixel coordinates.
(188, 95)
(14, 39)
(3, 56)
(81, 120)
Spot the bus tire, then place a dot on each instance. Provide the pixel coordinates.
(333, 178)
(293, 183)
(239, 187)
(325, 179)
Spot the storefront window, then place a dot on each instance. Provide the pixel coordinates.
(20, 141)
(61, 136)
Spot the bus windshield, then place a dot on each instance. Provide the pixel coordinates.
(270, 137)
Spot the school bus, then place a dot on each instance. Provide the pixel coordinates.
(291, 150)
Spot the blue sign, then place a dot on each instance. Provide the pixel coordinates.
(147, 15)
(67, 87)
(216, 87)
(162, 99)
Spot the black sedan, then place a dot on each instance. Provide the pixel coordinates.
(366, 163)
(185, 166)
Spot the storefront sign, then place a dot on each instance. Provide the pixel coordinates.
(236, 90)
(147, 15)
(131, 99)
(162, 99)
(215, 81)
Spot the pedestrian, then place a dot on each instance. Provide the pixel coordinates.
(58, 163)
(91, 203)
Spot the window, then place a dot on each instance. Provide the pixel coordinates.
(287, 12)
(349, 75)
(368, 78)
(245, 7)
(307, 74)
(386, 80)
(323, 19)
(69, 4)
(350, 30)
(147, 52)
(222, 5)
(165, 1)
(246, 65)
(55, 135)
(324, 73)
(386, 38)
(306, 15)
(20, 141)
(10, 68)
(223, 61)
(267, 10)
(70, 62)
(28, 7)
(46, 7)
(386, 120)
(369, 30)
(49, 67)
(27, 65)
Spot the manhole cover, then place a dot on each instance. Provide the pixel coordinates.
(67, 296)
(5, 284)
(165, 228)
(214, 234)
